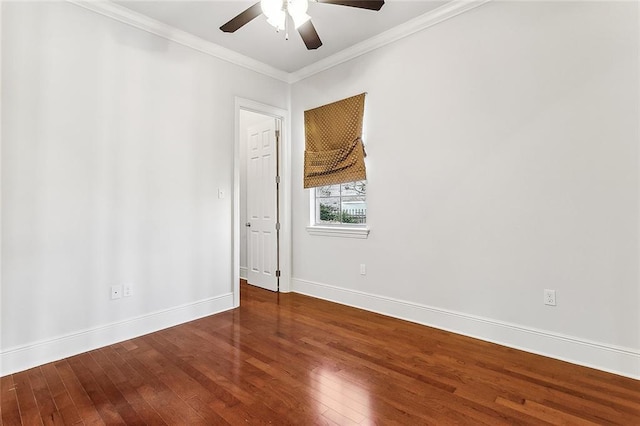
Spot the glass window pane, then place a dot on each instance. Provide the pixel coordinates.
(354, 188)
(354, 210)
(328, 191)
(328, 210)
(342, 204)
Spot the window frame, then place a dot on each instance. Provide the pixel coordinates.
(345, 230)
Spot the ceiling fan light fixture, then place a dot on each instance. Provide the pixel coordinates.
(298, 11)
(274, 10)
(278, 20)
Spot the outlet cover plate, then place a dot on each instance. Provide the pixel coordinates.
(550, 297)
(116, 291)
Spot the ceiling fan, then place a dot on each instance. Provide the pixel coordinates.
(276, 12)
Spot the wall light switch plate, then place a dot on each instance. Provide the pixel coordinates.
(127, 290)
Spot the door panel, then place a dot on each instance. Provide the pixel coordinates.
(261, 205)
(267, 264)
(254, 244)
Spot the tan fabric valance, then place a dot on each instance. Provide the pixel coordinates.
(333, 151)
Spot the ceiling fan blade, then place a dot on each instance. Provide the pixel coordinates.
(309, 35)
(362, 4)
(242, 19)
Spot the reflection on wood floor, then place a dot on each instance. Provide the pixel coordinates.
(291, 359)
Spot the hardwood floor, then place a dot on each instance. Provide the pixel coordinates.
(291, 359)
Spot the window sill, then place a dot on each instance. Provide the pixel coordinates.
(335, 231)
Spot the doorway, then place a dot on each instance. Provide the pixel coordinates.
(261, 204)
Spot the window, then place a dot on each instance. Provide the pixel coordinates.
(334, 153)
(341, 204)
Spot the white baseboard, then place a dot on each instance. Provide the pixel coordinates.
(613, 359)
(28, 356)
(244, 272)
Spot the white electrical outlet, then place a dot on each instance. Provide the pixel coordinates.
(550, 297)
(127, 290)
(116, 291)
(363, 269)
(220, 193)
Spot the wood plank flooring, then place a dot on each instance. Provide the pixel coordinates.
(291, 359)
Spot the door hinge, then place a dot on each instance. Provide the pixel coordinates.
(278, 273)
(278, 179)
(278, 226)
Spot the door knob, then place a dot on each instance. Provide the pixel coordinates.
(248, 224)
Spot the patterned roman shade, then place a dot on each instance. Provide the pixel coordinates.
(334, 152)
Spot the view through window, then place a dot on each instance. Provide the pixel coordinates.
(344, 203)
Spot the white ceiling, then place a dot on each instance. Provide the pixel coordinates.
(339, 27)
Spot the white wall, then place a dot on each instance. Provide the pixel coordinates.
(114, 143)
(509, 136)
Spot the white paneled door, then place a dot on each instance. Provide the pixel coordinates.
(261, 205)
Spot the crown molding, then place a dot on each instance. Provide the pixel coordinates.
(127, 16)
(142, 22)
(429, 19)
